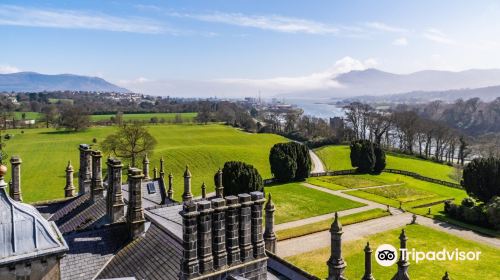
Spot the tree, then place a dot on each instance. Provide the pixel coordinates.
(290, 161)
(130, 142)
(481, 178)
(239, 177)
(49, 114)
(204, 113)
(74, 118)
(362, 156)
(379, 159)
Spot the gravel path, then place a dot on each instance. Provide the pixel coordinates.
(316, 162)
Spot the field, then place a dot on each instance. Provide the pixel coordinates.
(419, 237)
(337, 158)
(205, 148)
(294, 202)
(168, 117)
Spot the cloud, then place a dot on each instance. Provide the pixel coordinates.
(7, 69)
(140, 80)
(400, 42)
(69, 19)
(239, 87)
(385, 27)
(268, 22)
(437, 36)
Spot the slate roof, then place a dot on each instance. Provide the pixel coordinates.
(90, 250)
(90, 216)
(149, 198)
(71, 206)
(154, 256)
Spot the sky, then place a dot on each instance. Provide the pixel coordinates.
(236, 48)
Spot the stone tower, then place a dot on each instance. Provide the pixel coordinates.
(69, 189)
(269, 235)
(403, 263)
(336, 265)
(187, 195)
(15, 187)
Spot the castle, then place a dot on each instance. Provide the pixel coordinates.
(135, 230)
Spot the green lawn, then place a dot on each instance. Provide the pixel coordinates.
(422, 239)
(29, 115)
(294, 202)
(346, 181)
(325, 224)
(204, 148)
(337, 158)
(168, 117)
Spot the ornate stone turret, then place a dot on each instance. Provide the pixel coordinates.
(246, 248)
(368, 263)
(336, 265)
(69, 189)
(219, 189)
(203, 191)
(170, 192)
(403, 263)
(115, 208)
(145, 167)
(85, 171)
(15, 186)
(256, 233)
(97, 188)
(269, 235)
(446, 277)
(189, 263)
(187, 195)
(135, 213)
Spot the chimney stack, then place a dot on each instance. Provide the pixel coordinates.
(256, 221)
(187, 195)
(135, 213)
(145, 167)
(189, 264)
(205, 236)
(219, 233)
(246, 247)
(15, 186)
(69, 189)
(219, 189)
(269, 235)
(97, 188)
(85, 170)
(336, 264)
(115, 208)
(232, 230)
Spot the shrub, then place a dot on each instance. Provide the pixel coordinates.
(468, 202)
(290, 161)
(481, 178)
(493, 212)
(239, 177)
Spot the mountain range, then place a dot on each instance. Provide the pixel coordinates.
(36, 82)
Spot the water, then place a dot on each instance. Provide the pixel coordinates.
(318, 107)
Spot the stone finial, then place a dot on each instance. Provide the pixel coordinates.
(256, 220)
(170, 192)
(155, 173)
(85, 170)
(368, 263)
(219, 189)
(162, 166)
(190, 266)
(336, 264)
(69, 188)
(115, 207)
(269, 235)
(446, 277)
(97, 187)
(187, 195)
(203, 191)
(145, 167)
(135, 212)
(402, 273)
(15, 187)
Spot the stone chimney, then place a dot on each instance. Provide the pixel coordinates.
(85, 171)
(69, 189)
(170, 192)
(97, 188)
(219, 189)
(403, 263)
(246, 248)
(189, 264)
(336, 264)
(269, 235)
(219, 233)
(368, 263)
(15, 186)
(145, 167)
(205, 236)
(135, 213)
(256, 220)
(115, 208)
(187, 195)
(203, 191)
(232, 230)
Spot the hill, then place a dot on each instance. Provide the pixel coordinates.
(36, 82)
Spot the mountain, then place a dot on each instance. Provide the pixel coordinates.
(35, 82)
(373, 82)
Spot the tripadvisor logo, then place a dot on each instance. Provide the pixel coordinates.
(387, 255)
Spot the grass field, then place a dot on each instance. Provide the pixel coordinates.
(325, 225)
(294, 202)
(204, 148)
(186, 117)
(29, 115)
(337, 158)
(422, 239)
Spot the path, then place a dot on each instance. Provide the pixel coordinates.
(316, 162)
